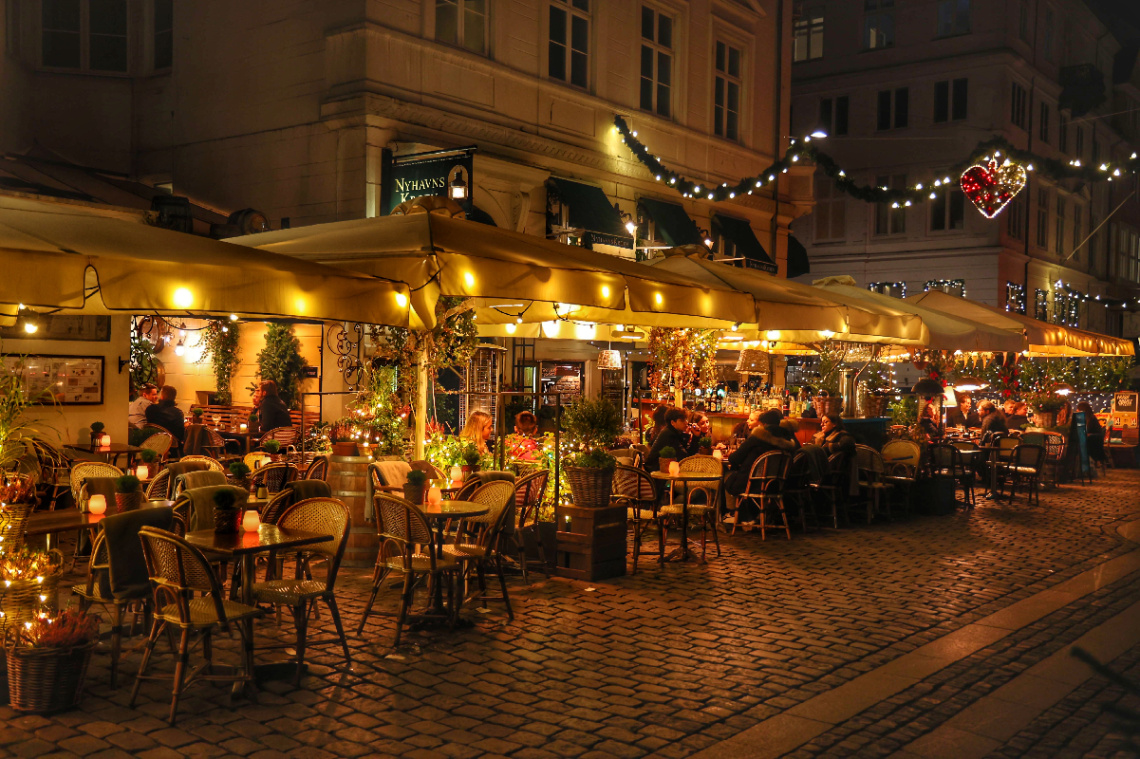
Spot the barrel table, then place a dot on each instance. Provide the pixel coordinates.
(348, 480)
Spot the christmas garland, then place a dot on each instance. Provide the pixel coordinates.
(682, 358)
(983, 152)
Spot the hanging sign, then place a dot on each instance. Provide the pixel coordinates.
(1124, 411)
(408, 177)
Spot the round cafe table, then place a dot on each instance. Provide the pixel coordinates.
(683, 553)
(438, 515)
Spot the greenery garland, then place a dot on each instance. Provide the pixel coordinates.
(451, 343)
(143, 365)
(220, 345)
(806, 150)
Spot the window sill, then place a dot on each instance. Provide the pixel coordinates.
(82, 72)
(952, 35)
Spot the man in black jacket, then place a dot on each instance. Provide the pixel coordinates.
(272, 411)
(673, 436)
(767, 436)
(167, 415)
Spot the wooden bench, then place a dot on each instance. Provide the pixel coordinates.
(229, 417)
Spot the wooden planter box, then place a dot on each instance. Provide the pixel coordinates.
(591, 542)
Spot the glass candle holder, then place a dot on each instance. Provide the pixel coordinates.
(97, 504)
(250, 521)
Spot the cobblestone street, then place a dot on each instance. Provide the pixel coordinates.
(744, 656)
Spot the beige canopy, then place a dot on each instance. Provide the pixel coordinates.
(1041, 338)
(941, 330)
(800, 313)
(58, 255)
(513, 275)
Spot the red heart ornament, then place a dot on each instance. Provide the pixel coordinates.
(991, 187)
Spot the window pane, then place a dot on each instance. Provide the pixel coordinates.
(474, 26)
(816, 42)
(647, 94)
(941, 101)
(579, 73)
(447, 21)
(825, 113)
(663, 104)
(902, 107)
(61, 49)
(557, 61)
(720, 56)
(884, 109)
(664, 69)
(647, 62)
(841, 115)
(108, 53)
(582, 5)
(665, 31)
(960, 98)
(718, 92)
(163, 33)
(938, 213)
(734, 97)
(61, 15)
(579, 34)
(733, 62)
(109, 17)
(957, 210)
(557, 25)
(647, 23)
(732, 128)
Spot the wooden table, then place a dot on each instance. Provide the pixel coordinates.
(683, 553)
(109, 453)
(245, 546)
(241, 437)
(53, 522)
(438, 516)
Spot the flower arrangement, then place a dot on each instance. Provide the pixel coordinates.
(28, 564)
(65, 629)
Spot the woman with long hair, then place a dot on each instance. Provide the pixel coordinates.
(478, 430)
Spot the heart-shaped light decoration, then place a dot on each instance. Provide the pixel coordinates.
(991, 187)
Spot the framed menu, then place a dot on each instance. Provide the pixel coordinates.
(62, 380)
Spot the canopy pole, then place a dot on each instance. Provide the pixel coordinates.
(421, 403)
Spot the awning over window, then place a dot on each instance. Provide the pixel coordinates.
(591, 210)
(740, 233)
(674, 226)
(797, 258)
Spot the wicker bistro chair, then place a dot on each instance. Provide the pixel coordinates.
(707, 511)
(765, 488)
(212, 464)
(215, 445)
(286, 436)
(1023, 470)
(300, 594)
(81, 471)
(830, 484)
(318, 469)
(798, 488)
(903, 460)
(637, 491)
(273, 476)
(408, 545)
(1055, 450)
(159, 487)
(872, 481)
(482, 551)
(529, 492)
(178, 572)
(946, 461)
(160, 443)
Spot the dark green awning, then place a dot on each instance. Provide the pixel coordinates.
(740, 233)
(674, 226)
(591, 210)
(797, 258)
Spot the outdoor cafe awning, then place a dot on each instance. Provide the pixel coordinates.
(60, 255)
(674, 227)
(512, 275)
(744, 240)
(1041, 337)
(591, 210)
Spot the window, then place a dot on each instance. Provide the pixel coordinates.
(1015, 298)
(830, 210)
(656, 61)
(1078, 217)
(878, 24)
(726, 92)
(1043, 219)
(1040, 306)
(1128, 255)
(953, 17)
(1023, 21)
(807, 32)
(89, 35)
(890, 221)
(1047, 36)
(900, 99)
(948, 210)
(949, 286)
(1059, 238)
(1015, 217)
(462, 23)
(833, 115)
(569, 49)
(893, 289)
(61, 33)
(1062, 132)
(163, 34)
(1017, 106)
(950, 99)
(1060, 307)
(1079, 142)
(1043, 124)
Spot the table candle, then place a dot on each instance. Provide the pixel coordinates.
(674, 468)
(97, 504)
(105, 441)
(434, 496)
(243, 427)
(250, 521)
(142, 472)
(718, 454)
(456, 473)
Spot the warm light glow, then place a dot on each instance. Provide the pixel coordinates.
(105, 441)
(512, 328)
(97, 504)
(605, 291)
(772, 334)
(401, 300)
(819, 134)
(243, 427)
(827, 334)
(183, 298)
(631, 227)
(142, 472)
(552, 328)
(233, 317)
(434, 496)
(585, 330)
(468, 279)
(250, 521)
(674, 468)
(301, 305)
(659, 298)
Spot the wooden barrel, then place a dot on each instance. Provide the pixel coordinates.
(348, 480)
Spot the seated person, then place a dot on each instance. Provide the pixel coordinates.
(993, 420)
(928, 421)
(745, 427)
(963, 415)
(526, 423)
(767, 436)
(833, 437)
(478, 431)
(1014, 418)
(272, 413)
(167, 415)
(672, 435)
(148, 396)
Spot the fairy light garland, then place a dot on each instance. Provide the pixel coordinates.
(985, 152)
(1014, 297)
(942, 284)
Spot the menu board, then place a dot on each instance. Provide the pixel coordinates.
(63, 380)
(1124, 409)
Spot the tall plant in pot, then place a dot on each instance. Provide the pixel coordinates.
(592, 424)
(128, 493)
(830, 397)
(1045, 406)
(416, 486)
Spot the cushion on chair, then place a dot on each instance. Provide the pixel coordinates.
(182, 467)
(127, 566)
(394, 473)
(202, 479)
(492, 475)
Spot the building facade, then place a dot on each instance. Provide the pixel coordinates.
(907, 89)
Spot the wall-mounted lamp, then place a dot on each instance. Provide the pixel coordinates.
(458, 187)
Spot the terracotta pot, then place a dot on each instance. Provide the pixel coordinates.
(227, 521)
(128, 501)
(663, 464)
(344, 449)
(415, 493)
(1045, 419)
(704, 451)
(828, 404)
(468, 470)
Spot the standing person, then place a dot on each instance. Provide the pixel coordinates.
(1094, 433)
(148, 396)
(963, 415)
(478, 430)
(271, 410)
(767, 436)
(167, 415)
(672, 435)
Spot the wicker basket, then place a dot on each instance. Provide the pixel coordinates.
(875, 406)
(590, 488)
(45, 680)
(21, 599)
(828, 404)
(13, 520)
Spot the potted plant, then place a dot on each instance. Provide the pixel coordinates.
(1045, 406)
(595, 424)
(128, 493)
(239, 474)
(416, 486)
(97, 434)
(875, 379)
(227, 514)
(47, 662)
(197, 413)
(273, 448)
(29, 578)
(148, 458)
(704, 446)
(470, 459)
(666, 456)
(829, 400)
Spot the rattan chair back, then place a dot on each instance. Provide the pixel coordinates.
(468, 488)
(286, 436)
(177, 572)
(318, 468)
(159, 442)
(1054, 446)
(1030, 456)
(321, 515)
(402, 527)
(633, 484)
(902, 452)
(529, 492)
(496, 496)
(767, 474)
(868, 460)
(256, 459)
(280, 501)
(430, 469)
(159, 487)
(701, 464)
(211, 463)
(945, 459)
(274, 476)
(82, 470)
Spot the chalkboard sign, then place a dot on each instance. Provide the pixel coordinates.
(1080, 436)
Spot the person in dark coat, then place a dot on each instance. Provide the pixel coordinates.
(767, 436)
(963, 415)
(272, 411)
(993, 420)
(672, 435)
(1094, 433)
(834, 438)
(167, 415)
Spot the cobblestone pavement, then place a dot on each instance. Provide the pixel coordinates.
(673, 660)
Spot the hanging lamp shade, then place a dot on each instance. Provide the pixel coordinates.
(609, 359)
(970, 384)
(1064, 389)
(752, 361)
(927, 387)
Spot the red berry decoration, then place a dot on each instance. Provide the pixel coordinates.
(991, 187)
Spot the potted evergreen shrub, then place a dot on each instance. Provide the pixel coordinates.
(470, 461)
(47, 661)
(239, 474)
(594, 424)
(1045, 406)
(704, 446)
(666, 456)
(416, 486)
(227, 514)
(197, 413)
(273, 448)
(148, 458)
(128, 493)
